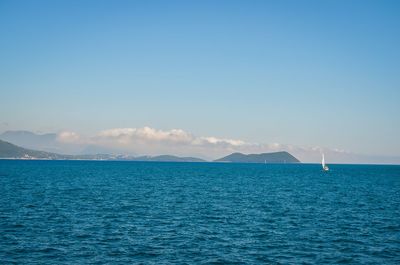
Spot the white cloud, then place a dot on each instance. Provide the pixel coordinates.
(147, 134)
(217, 141)
(150, 141)
(68, 137)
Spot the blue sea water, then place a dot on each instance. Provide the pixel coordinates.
(92, 212)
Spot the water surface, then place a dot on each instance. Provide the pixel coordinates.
(92, 212)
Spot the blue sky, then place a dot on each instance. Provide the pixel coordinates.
(306, 73)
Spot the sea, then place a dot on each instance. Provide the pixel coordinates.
(121, 212)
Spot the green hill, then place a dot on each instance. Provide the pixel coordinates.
(277, 157)
(8, 150)
(11, 151)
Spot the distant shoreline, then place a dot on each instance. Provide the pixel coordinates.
(195, 162)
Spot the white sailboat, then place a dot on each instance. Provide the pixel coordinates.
(324, 166)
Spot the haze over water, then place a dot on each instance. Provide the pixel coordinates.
(92, 212)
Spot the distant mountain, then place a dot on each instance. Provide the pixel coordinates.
(11, 151)
(30, 140)
(8, 150)
(168, 158)
(277, 157)
(49, 142)
(95, 149)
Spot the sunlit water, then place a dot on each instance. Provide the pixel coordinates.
(77, 212)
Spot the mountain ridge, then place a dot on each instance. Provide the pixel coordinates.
(12, 151)
(275, 157)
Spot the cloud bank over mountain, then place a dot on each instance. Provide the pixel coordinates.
(150, 141)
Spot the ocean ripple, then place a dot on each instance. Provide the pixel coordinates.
(77, 212)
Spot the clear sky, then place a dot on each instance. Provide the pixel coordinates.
(307, 73)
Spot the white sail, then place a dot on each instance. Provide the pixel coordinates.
(324, 166)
